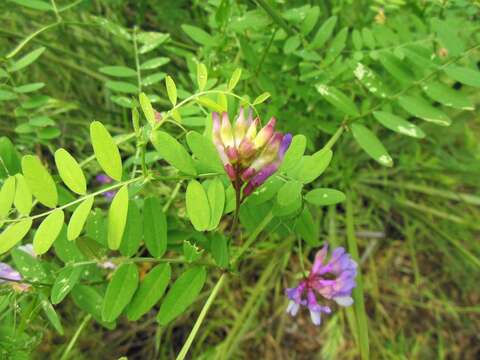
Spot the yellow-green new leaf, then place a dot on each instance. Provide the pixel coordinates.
(14, 234)
(7, 196)
(39, 181)
(78, 219)
(23, 196)
(70, 171)
(48, 232)
(106, 151)
(171, 90)
(234, 79)
(261, 98)
(147, 108)
(198, 207)
(371, 145)
(117, 218)
(202, 76)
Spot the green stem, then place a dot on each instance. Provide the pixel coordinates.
(74, 339)
(79, 200)
(186, 346)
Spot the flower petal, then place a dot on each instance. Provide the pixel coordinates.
(343, 300)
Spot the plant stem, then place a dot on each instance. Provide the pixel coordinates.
(74, 339)
(186, 346)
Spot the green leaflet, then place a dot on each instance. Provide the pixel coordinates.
(171, 90)
(294, 152)
(311, 166)
(289, 192)
(198, 208)
(48, 232)
(236, 75)
(23, 196)
(306, 228)
(447, 96)
(419, 107)
(338, 99)
(204, 151)
(198, 35)
(70, 171)
(120, 291)
(397, 124)
(324, 197)
(7, 196)
(117, 218)
(66, 279)
(106, 151)
(154, 227)
(216, 200)
(26, 60)
(202, 76)
(78, 218)
(147, 108)
(324, 33)
(14, 234)
(133, 234)
(464, 75)
(118, 71)
(182, 294)
(149, 292)
(39, 181)
(173, 152)
(371, 145)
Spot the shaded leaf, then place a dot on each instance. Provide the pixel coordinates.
(371, 145)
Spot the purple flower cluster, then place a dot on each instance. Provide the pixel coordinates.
(248, 157)
(334, 280)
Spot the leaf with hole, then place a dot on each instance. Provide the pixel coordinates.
(421, 108)
(447, 96)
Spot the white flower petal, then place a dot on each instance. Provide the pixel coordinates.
(344, 300)
(315, 316)
(293, 308)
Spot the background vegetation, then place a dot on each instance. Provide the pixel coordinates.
(414, 224)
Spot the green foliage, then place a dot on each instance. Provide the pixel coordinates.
(353, 82)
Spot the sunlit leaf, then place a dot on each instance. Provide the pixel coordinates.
(70, 171)
(106, 151)
(117, 218)
(39, 181)
(48, 232)
(371, 145)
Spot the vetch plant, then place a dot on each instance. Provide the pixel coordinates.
(142, 224)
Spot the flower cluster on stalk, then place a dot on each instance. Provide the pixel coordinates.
(333, 280)
(249, 156)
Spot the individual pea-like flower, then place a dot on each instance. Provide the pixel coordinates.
(11, 276)
(104, 180)
(333, 281)
(249, 157)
